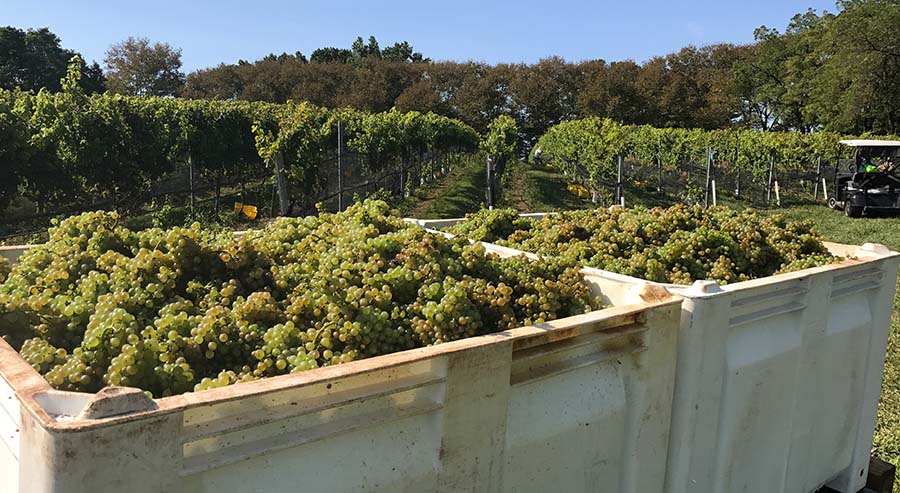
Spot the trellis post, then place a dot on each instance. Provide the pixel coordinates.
(620, 192)
(659, 174)
(737, 167)
(818, 177)
(281, 183)
(340, 167)
(190, 163)
(709, 160)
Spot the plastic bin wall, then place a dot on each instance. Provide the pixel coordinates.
(577, 404)
(778, 379)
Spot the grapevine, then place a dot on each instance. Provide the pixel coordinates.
(70, 147)
(594, 143)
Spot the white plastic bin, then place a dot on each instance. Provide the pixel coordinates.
(577, 404)
(778, 378)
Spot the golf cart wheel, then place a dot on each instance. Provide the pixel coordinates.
(833, 203)
(853, 211)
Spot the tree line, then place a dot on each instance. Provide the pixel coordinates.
(837, 72)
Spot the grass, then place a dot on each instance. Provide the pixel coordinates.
(528, 188)
(458, 193)
(535, 188)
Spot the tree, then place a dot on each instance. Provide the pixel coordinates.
(362, 50)
(33, 60)
(137, 68)
(542, 94)
(609, 91)
(774, 76)
(15, 151)
(857, 88)
(421, 96)
(402, 52)
(331, 55)
(838, 72)
(222, 82)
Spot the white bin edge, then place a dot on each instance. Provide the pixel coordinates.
(141, 431)
(700, 457)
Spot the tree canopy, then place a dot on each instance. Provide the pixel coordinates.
(135, 67)
(34, 59)
(834, 71)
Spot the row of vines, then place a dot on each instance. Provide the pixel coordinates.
(70, 148)
(589, 148)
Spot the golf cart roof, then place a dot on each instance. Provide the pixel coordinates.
(871, 143)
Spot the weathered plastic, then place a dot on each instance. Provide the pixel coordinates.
(577, 404)
(778, 378)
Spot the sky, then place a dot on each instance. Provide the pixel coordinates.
(210, 32)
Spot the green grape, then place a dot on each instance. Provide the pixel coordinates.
(5, 268)
(177, 310)
(679, 244)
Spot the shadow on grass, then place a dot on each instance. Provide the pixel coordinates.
(455, 195)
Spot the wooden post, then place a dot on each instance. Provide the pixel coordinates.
(190, 163)
(218, 189)
(659, 177)
(281, 183)
(818, 178)
(620, 192)
(274, 201)
(489, 191)
(771, 177)
(709, 158)
(737, 167)
(881, 476)
(340, 168)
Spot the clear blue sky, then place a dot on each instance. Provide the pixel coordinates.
(508, 31)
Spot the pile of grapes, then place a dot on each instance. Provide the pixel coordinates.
(170, 311)
(678, 245)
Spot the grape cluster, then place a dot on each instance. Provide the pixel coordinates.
(678, 244)
(490, 225)
(171, 311)
(5, 267)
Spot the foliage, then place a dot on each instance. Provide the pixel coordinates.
(137, 68)
(398, 52)
(835, 71)
(585, 147)
(59, 148)
(14, 151)
(501, 141)
(592, 145)
(34, 59)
